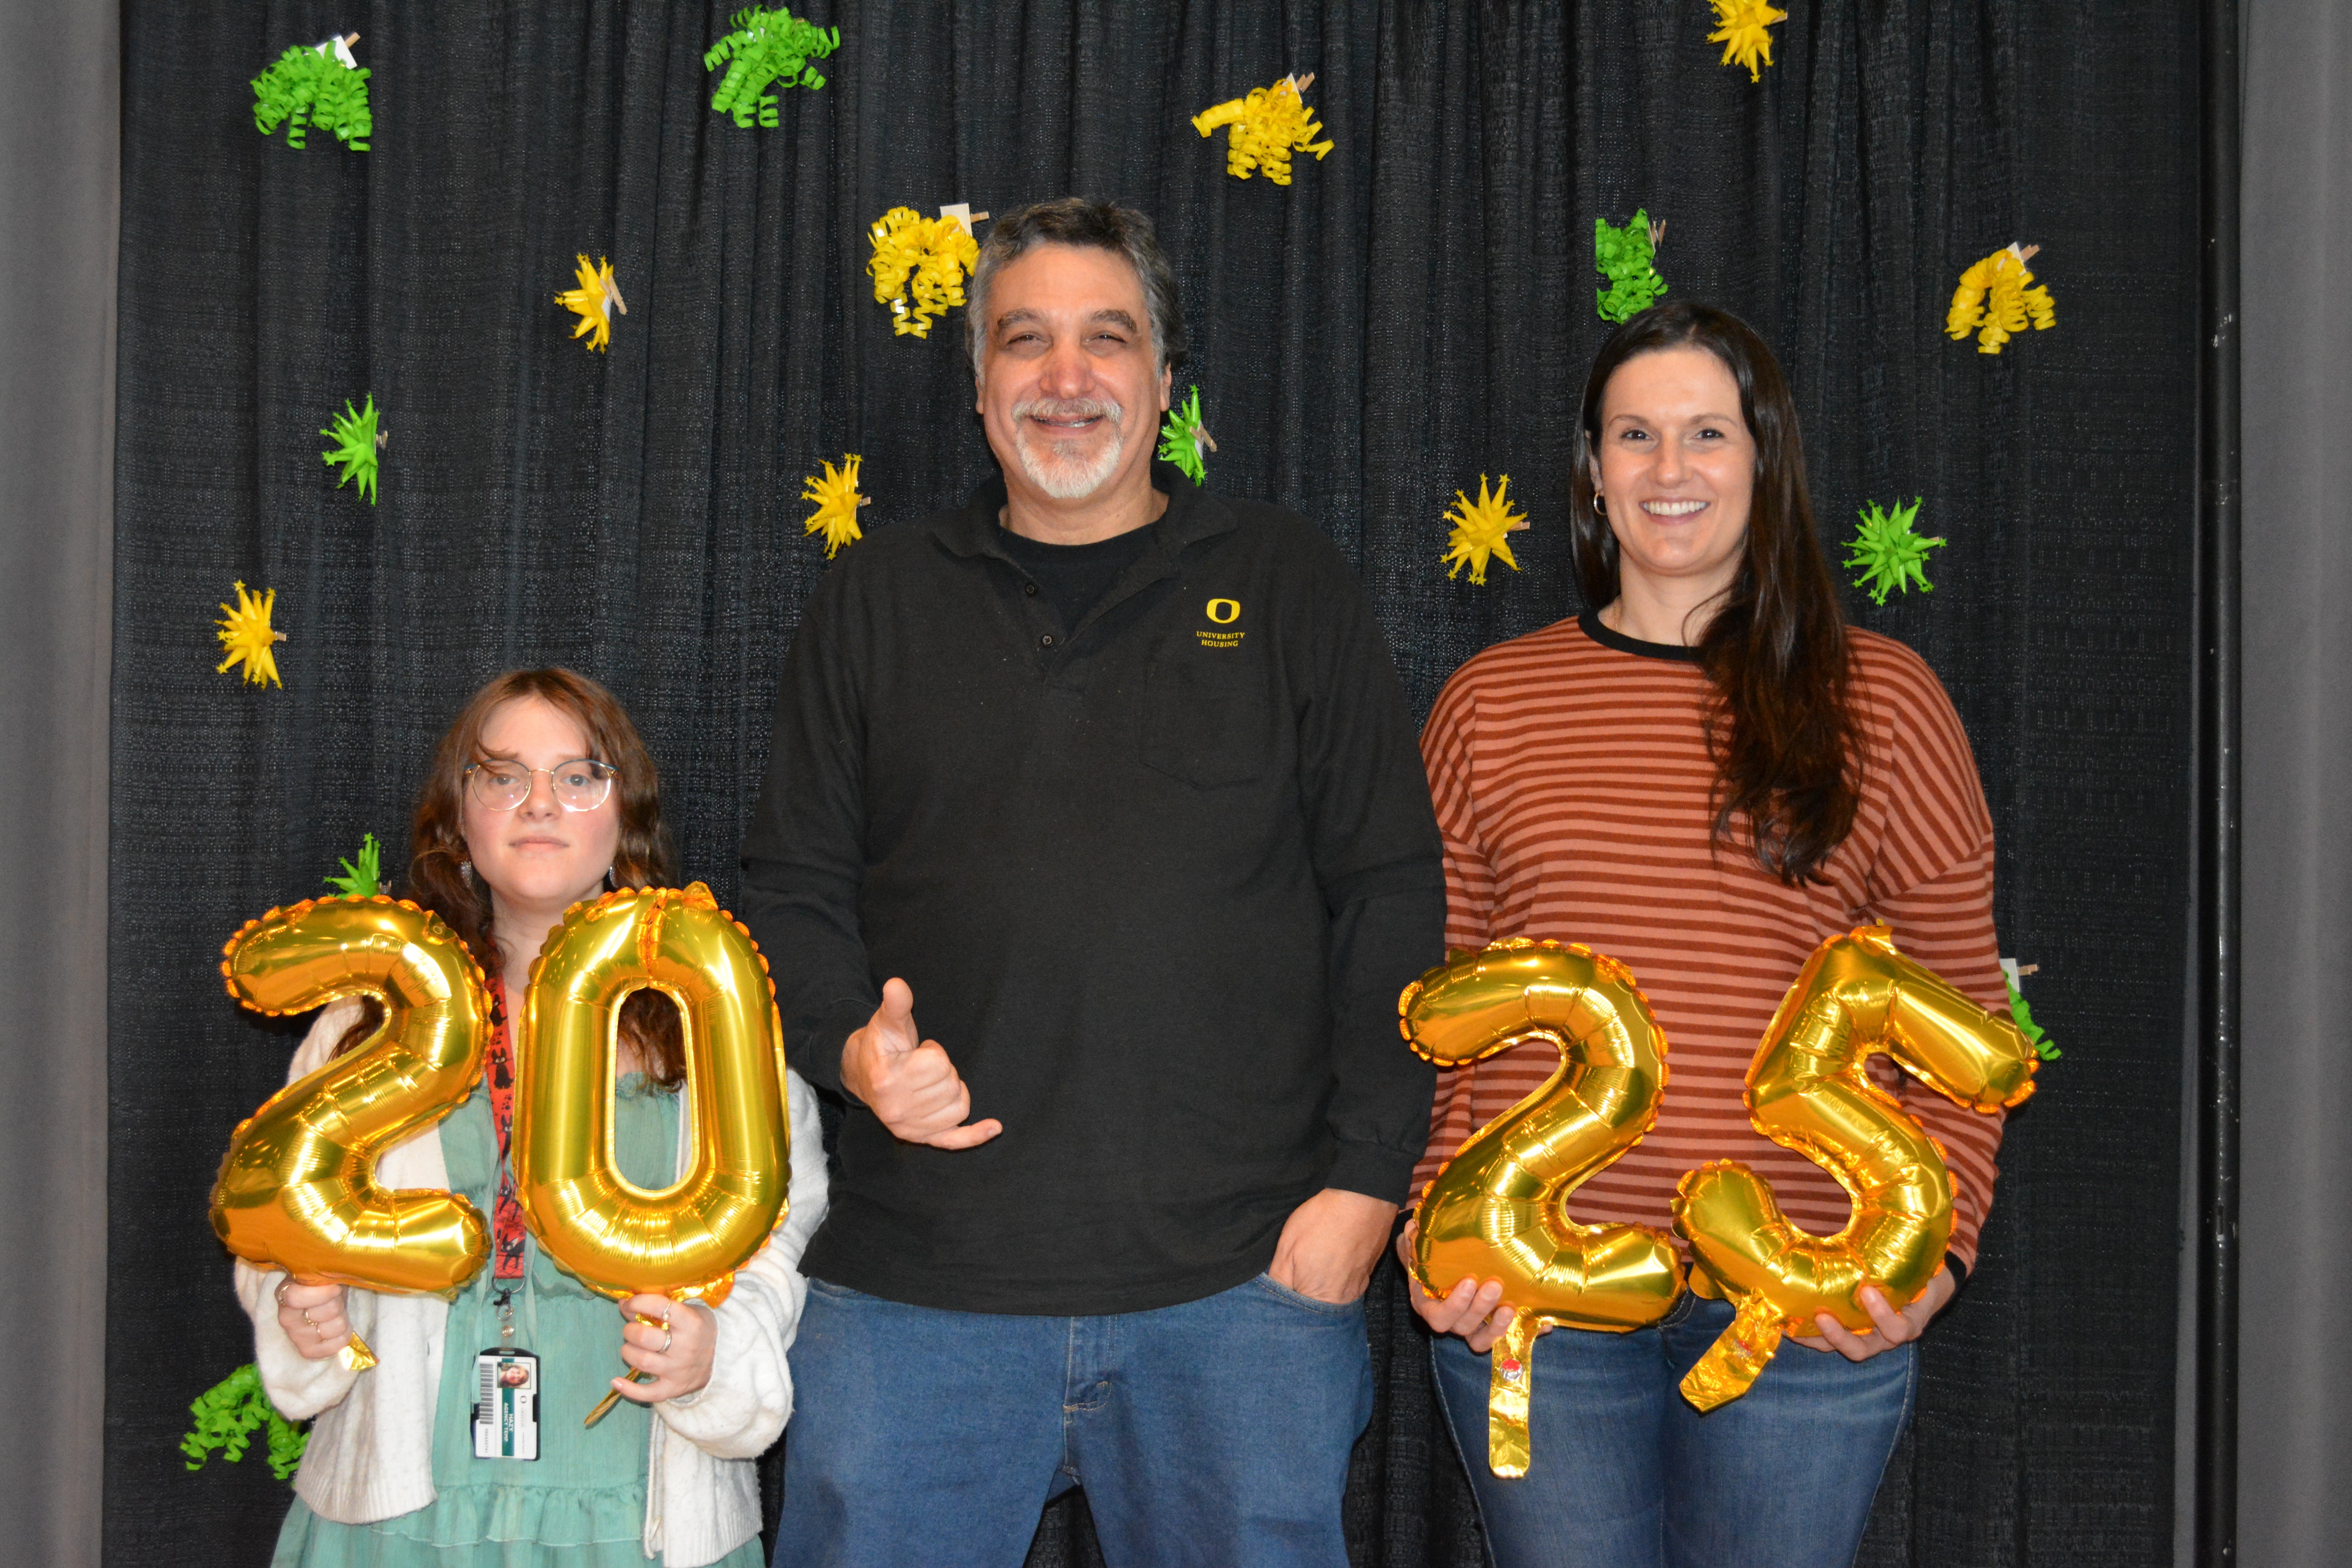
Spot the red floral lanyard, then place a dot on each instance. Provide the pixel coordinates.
(506, 1211)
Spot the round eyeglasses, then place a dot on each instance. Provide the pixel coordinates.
(581, 784)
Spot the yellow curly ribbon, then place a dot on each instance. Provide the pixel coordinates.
(918, 267)
(1266, 127)
(1993, 295)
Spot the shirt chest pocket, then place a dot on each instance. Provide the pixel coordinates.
(1207, 718)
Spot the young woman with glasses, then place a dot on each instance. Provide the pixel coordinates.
(1704, 777)
(539, 794)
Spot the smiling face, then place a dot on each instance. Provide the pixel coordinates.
(1070, 388)
(539, 859)
(1675, 471)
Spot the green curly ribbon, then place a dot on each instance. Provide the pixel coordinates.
(1624, 257)
(2041, 1042)
(766, 47)
(226, 1415)
(307, 87)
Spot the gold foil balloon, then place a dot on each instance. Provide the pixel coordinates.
(1499, 1209)
(685, 1240)
(1808, 1090)
(297, 1188)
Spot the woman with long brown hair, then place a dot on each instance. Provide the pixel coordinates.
(1704, 777)
(541, 795)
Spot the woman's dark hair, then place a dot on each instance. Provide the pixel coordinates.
(441, 880)
(1786, 751)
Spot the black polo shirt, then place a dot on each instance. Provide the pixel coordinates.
(1156, 879)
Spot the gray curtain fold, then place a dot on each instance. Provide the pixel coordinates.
(59, 157)
(2296, 1409)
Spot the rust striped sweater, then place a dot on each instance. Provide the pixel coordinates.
(1572, 782)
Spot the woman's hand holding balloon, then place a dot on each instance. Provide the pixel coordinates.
(1893, 1328)
(1476, 1310)
(313, 1318)
(674, 1340)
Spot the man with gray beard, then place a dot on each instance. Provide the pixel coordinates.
(1113, 776)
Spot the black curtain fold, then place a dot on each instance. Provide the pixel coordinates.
(1412, 311)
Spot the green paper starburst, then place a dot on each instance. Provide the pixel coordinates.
(1185, 441)
(315, 85)
(1893, 559)
(2027, 1026)
(767, 46)
(1624, 257)
(357, 441)
(226, 1415)
(365, 879)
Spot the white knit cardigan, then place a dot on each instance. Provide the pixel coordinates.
(371, 1451)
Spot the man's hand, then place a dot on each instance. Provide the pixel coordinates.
(1329, 1244)
(1893, 1328)
(907, 1080)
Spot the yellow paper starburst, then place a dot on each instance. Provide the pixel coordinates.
(1993, 295)
(1268, 127)
(1743, 35)
(1478, 530)
(919, 265)
(837, 502)
(247, 635)
(595, 301)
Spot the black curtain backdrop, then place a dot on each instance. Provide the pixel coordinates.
(1414, 309)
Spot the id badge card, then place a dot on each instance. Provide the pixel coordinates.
(506, 1405)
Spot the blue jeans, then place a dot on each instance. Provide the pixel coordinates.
(1214, 1432)
(1623, 1473)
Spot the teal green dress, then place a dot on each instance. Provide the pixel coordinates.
(581, 1503)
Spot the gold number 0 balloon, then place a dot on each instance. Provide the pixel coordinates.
(297, 1188)
(1498, 1210)
(685, 1240)
(1807, 1090)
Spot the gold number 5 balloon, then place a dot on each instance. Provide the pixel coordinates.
(1498, 1210)
(685, 1240)
(1807, 1090)
(297, 1188)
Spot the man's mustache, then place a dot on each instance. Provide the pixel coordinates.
(1070, 408)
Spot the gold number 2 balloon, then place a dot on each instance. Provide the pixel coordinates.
(685, 1240)
(297, 1188)
(1498, 1210)
(1808, 1090)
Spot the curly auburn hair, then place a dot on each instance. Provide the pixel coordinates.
(440, 875)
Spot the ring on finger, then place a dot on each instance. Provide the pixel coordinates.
(308, 1322)
(666, 1337)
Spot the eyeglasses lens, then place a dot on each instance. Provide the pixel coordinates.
(581, 785)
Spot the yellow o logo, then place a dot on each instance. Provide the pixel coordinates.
(1224, 611)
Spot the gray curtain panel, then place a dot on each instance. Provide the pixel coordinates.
(59, 154)
(1415, 310)
(2295, 1416)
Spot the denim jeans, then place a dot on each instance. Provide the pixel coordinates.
(1214, 1432)
(1623, 1473)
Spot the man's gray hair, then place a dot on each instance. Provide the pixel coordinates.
(1074, 220)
